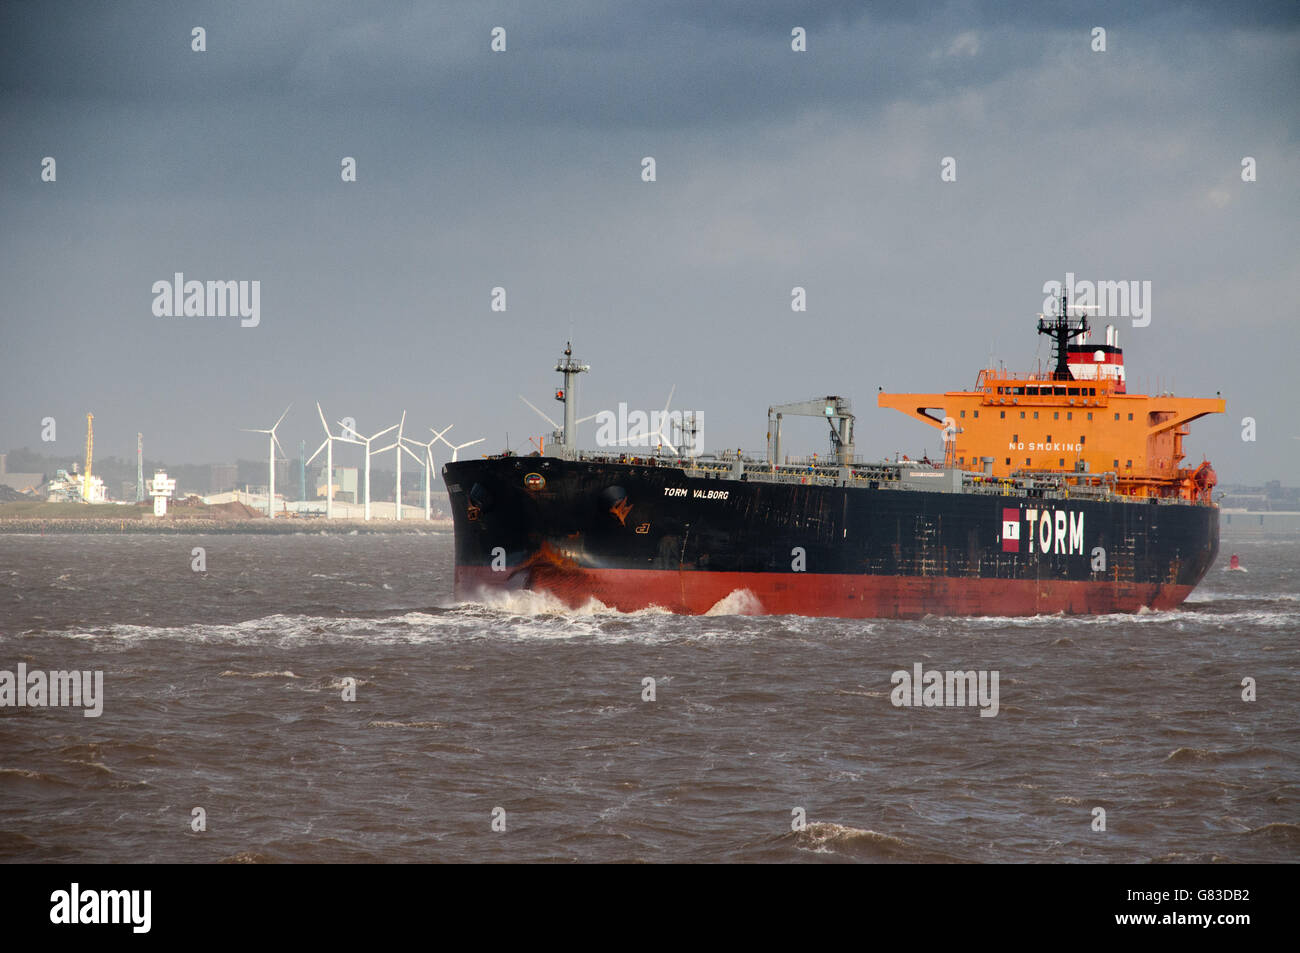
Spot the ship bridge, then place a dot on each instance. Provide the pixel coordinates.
(1078, 418)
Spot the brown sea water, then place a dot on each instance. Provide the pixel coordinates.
(223, 691)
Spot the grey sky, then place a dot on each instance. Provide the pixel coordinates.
(522, 169)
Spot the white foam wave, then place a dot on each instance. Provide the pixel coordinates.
(737, 602)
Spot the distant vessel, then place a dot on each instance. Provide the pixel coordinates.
(1234, 564)
(1059, 491)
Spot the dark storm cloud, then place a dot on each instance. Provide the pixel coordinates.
(600, 64)
(522, 169)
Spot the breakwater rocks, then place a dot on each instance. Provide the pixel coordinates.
(192, 525)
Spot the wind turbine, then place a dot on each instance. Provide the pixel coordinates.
(456, 448)
(427, 462)
(558, 429)
(328, 447)
(361, 441)
(272, 443)
(663, 417)
(399, 447)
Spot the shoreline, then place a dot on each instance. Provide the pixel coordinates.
(192, 525)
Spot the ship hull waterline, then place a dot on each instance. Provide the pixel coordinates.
(634, 536)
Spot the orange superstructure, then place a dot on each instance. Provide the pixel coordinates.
(1078, 419)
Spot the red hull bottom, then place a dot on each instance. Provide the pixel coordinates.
(810, 594)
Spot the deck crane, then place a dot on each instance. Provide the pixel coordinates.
(836, 411)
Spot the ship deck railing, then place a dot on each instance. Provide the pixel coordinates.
(890, 475)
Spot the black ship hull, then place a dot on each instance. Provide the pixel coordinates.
(636, 535)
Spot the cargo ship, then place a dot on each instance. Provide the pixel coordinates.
(1057, 491)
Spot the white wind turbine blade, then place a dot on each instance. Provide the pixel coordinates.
(318, 450)
(380, 434)
(455, 451)
(440, 435)
(282, 416)
(412, 454)
(539, 412)
(396, 442)
(663, 416)
(358, 439)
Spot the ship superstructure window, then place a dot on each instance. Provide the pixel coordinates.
(977, 415)
(1015, 438)
(1069, 415)
(1062, 461)
(1004, 415)
(1022, 415)
(1035, 415)
(963, 413)
(1026, 461)
(1130, 416)
(1008, 461)
(1056, 415)
(1117, 416)
(1090, 415)
(1081, 438)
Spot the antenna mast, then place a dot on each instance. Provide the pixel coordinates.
(1062, 329)
(570, 367)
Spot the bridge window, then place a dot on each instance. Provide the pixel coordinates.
(1069, 415)
(977, 415)
(1009, 464)
(1056, 415)
(1117, 416)
(1130, 416)
(1129, 465)
(1090, 415)
(1022, 415)
(963, 413)
(1004, 415)
(1035, 415)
